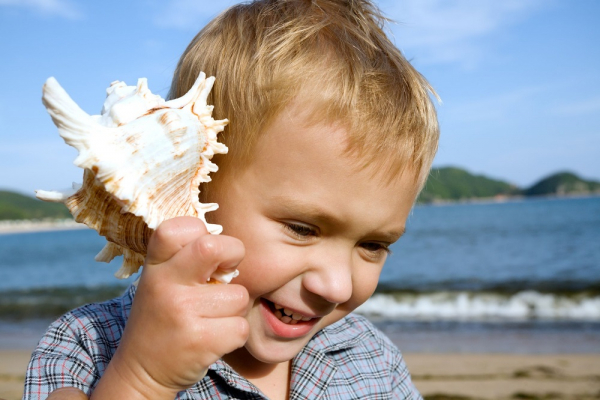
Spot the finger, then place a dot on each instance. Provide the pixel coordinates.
(67, 393)
(196, 262)
(211, 331)
(171, 236)
(221, 301)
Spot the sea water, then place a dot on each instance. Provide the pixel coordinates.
(530, 259)
(498, 274)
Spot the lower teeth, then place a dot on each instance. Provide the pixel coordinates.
(286, 319)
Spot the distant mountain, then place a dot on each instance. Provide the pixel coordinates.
(17, 206)
(562, 183)
(451, 183)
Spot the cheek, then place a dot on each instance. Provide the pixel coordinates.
(264, 268)
(364, 284)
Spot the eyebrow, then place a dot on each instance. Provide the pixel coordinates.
(392, 236)
(316, 213)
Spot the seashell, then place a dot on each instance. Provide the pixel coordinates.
(143, 159)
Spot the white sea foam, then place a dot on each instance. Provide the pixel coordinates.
(524, 305)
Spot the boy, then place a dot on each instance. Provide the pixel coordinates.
(331, 137)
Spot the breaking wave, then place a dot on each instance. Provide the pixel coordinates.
(47, 303)
(457, 305)
(468, 306)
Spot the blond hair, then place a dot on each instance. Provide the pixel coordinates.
(334, 57)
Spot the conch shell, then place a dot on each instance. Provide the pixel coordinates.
(143, 160)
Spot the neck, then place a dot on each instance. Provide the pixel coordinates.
(272, 379)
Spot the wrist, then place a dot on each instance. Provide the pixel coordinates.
(120, 380)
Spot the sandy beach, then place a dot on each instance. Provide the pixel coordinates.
(443, 376)
(22, 226)
(506, 376)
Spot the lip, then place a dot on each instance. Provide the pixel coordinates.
(285, 330)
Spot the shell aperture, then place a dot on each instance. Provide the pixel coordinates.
(143, 159)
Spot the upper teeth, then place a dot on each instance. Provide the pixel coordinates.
(289, 313)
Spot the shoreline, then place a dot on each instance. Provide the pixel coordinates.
(27, 226)
(502, 199)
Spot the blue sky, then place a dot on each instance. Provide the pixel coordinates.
(519, 79)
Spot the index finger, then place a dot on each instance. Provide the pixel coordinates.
(209, 255)
(171, 236)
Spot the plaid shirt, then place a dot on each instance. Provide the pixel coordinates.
(350, 359)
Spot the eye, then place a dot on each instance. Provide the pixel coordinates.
(376, 250)
(300, 230)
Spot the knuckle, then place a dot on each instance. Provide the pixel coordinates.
(165, 233)
(227, 299)
(239, 294)
(243, 329)
(207, 248)
(172, 230)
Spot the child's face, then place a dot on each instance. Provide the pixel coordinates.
(315, 229)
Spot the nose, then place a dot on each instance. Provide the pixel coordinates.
(329, 274)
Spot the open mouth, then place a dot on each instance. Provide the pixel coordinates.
(286, 315)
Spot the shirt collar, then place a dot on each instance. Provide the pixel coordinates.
(343, 334)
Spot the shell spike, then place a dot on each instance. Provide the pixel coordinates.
(109, 252)
(131, 263)
(142, 85)
(214, 229)
(219, 148)
(200, 107)
(203, 95)
(73, 124)
(54, 196)
(190, 96)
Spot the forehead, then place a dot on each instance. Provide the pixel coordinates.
(302, 166)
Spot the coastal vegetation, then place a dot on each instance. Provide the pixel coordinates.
(451, 183)
(456, 184)
(16, 206)
(446, 184)
(563, 183)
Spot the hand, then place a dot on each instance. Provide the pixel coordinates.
(178, 325)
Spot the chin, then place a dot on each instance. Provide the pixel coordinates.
(274, 352)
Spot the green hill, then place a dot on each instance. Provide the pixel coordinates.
(562, 183)
(451, 183)
(17, 206)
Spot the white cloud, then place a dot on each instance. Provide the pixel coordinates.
(442, 31)
(60, 8)
(191, 14)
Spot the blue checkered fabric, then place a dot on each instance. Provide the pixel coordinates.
(350, 359)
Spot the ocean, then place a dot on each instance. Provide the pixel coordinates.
(517, 276)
